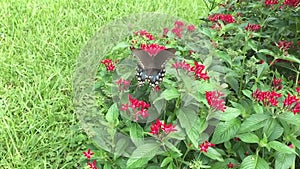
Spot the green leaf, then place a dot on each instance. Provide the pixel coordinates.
(142, 154)
(121, 45)
(290, 118)
(232, 81)
(291, 58)
(252, 45)
(121, 145)
(172, 147)
(261, 68)
(214, 154)
(258, 108)
(254, 162)
(230, 114)
(248, 138)
(193, 126)
(254, 122)
(168, 94)
(247, 93)
(272, 129)
(284, 161)
(266, 51)
(225, 131)
(136, 134)
(166, 161)
(112, 115)
(276, 145)
(224, 56)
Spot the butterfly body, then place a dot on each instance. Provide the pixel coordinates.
(151, 69)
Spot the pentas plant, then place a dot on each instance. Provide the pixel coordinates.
(258, 41)
(234, 104)
(168, 122)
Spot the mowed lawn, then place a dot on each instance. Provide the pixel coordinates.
(39, 45)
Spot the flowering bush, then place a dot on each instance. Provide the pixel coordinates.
(186, 121)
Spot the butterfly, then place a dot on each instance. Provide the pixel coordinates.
(152, 69)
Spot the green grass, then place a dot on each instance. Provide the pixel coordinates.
(42, 40)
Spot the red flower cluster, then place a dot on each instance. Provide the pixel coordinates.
(277, 84)
(93, 165)
(178, 28)
(284, 45)
(165, 31)
(204, 146)
(230, 165)
(144, 33)
(139, 107)
(157, 127)
(126, 84)
(226, 18)
(182, 65)
(271, 2)
(291, 102)
(197, 69)
(191, 28)
(252, 27)
(88, 155)
(214, 100)
(152, 49)
(108, 64)
(298, 90)
(293, 3)
(267, 97)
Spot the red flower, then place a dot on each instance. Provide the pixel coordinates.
(126, 84)
(296, 109)
(271, 2)
(226, 18)
(191, 52)
(88, 154)
(191, 28)
(266, 98)
(253, 27)
(168, 128)
(290, 100)
(93, 165)
(284, 45)
(166, 30)
(108, 64)
(236, 139)
(178, 32)
(145, 34)
(293, 3)
(205, 145)
(124, 107)
(152, 49)
(198, 70)
(179, 24)
(138, 107)
(230, 165)
(277, 84)
(155, 127)
(298, 90)
(213, 99)
(182, 65)
(159, 126)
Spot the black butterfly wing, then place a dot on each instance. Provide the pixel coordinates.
(160, 60)
(144, 59)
